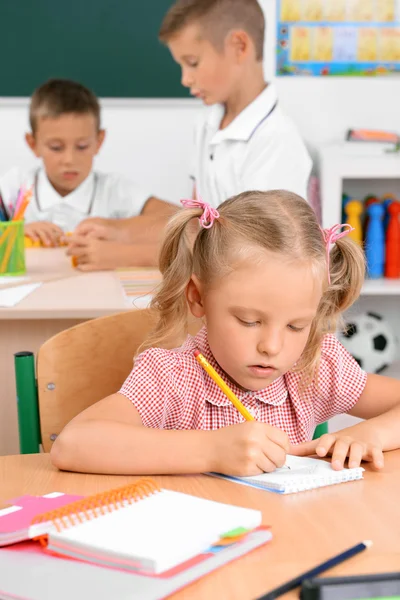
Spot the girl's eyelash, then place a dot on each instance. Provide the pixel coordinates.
(296, 329)
(247, 323)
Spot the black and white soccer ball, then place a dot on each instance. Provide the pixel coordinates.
(370, 340)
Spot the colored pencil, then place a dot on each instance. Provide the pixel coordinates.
(222, 385)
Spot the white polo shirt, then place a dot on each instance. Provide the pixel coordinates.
(99, 195)
(260, 149)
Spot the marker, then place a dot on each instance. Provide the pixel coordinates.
(329, 564)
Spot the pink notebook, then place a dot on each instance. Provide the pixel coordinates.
(17, 515)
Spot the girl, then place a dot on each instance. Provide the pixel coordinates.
(261, 276)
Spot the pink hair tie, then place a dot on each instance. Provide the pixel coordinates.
(331, 236)
(209, 213)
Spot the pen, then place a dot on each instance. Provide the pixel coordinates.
(3, 210)
(222, 385)
(329, 564)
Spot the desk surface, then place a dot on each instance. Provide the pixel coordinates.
(308, 527)
(75, 295)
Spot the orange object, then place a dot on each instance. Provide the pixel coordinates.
(392, 265)
(74, 260)
(19, 215)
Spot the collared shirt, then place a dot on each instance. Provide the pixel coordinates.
(260, 149)
(99, 195)
(171, 390)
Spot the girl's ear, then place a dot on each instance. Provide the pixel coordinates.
(194, 297)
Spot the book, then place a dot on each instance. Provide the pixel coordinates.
(47, 576)
(17, 514)
(144, 528)
(298, 475)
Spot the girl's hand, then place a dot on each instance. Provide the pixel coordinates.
(248, 449)
(358, 445)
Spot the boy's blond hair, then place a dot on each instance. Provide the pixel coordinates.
(216, 18)
(57, 97)
(276, 221)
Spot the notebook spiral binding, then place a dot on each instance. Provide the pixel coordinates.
(95, 506)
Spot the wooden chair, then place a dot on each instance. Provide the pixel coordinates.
(75, 369)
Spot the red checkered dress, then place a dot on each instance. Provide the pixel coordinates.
(172, 391)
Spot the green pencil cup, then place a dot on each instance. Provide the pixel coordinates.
(12, 248)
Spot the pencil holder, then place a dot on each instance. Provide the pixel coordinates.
(12, 248)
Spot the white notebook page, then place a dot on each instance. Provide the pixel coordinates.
(163, 530)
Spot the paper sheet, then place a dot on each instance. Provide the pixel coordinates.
(12, 296)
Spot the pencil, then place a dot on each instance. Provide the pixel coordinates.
(329, 564)
(222, 385)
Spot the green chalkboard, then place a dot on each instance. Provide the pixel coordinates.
(109, 45)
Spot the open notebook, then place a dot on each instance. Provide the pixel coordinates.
(144, 528)
(298, 475)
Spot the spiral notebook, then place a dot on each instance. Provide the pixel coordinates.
(145, 529)
(298, 475)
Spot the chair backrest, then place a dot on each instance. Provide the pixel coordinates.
(85, 363)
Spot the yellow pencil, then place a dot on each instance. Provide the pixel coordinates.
(222, 385)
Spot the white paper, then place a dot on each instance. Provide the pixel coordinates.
(12, 296)
(7, 279)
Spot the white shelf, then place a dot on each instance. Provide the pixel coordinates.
(344, 161)
(381, 287)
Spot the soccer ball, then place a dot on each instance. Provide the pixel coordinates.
(370, 341)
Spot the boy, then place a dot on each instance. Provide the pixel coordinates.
(244, 141)
(66, 135)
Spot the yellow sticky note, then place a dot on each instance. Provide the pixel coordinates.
(323, 44)
(300, 43)
(312, 10)
(385, 10)
(389, 44)
(290, 10)
(367, 44)
(335, 10)
(361, 10)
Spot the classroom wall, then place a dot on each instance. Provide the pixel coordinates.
(151, 140)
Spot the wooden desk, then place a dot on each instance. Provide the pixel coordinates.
(53, 307)
(308, 527)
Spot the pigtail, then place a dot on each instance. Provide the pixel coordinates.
(176, 265)
(347, 271)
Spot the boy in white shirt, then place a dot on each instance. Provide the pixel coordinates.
(244, 141)
(66, 135)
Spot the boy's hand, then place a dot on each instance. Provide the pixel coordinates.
(47, 233)
(94, 255)
(357, 445)
(97, 228)
(249, 448)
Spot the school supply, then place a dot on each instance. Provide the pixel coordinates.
(329, 564)
(24, 197)
(297, 475)
(47, 576)
(11, 296)
(17, 514)
(385, 586)
(3, 210)
(138, 285)
(143, 528)
(223, 386)
(12, 250)
(373, 142)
